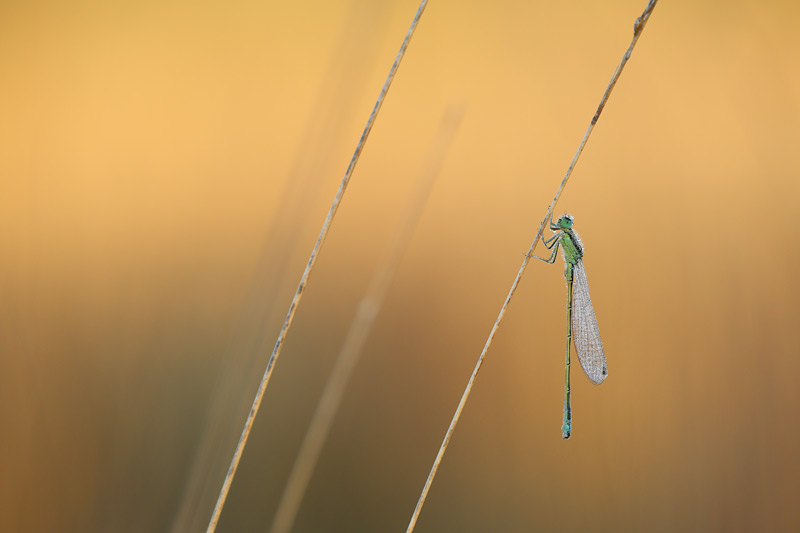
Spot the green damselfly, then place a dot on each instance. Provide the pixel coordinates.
(581, 321)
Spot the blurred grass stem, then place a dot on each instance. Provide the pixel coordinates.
(359, 330)
(237, 454)
(337, 95)
(637, 31)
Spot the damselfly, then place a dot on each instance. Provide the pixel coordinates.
(581, 321)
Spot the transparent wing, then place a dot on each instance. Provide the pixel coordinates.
(585, 333)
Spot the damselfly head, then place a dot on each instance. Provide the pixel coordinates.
(565, 222)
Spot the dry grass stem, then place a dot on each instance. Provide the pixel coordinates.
(339, 91)
(212, 525)
(637, 30)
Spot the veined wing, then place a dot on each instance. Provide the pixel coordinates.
(585, 332)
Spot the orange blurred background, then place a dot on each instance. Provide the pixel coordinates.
(165, 168)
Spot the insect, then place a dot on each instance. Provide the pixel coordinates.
(581, 321)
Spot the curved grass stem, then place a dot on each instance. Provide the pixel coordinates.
(237, 454)
(637, 31)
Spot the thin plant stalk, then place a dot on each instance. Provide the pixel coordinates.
(237, 454)
(341, 85)
(367, 311)
(637, 31)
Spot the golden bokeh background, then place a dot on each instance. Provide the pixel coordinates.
(165, 169)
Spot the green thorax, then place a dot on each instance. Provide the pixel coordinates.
(571, 245)
(569, 240)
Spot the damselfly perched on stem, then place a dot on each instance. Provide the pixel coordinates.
(581, 321)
